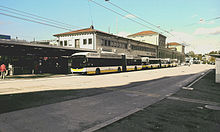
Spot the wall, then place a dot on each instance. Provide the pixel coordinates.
(152, 39)
(124, 45)
(167, 53)
(180, 48)
(162, 41)
(71, 40)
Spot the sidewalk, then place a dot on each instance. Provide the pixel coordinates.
(34, 76)
(196, 110)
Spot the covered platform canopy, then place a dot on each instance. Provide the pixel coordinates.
(22, 48)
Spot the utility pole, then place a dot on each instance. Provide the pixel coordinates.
(116, 25)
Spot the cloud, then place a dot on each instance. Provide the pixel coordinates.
(180, 37)
(2, 23)
(5, 22)
(194, 16)
(207, 31)
(130, 16)
(123, 34)
(198, 44)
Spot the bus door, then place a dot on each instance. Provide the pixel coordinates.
(124, 63)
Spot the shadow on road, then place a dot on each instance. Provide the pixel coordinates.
(13, 102)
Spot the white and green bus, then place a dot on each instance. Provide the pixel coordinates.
(165, 62)
(155, 62)
(105, 62)
(174, 62)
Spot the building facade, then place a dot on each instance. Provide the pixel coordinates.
(149, 37)
(160, 41)
(176, 46)
(144, 44)
(90, 38)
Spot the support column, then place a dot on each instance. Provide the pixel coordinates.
(217, 76)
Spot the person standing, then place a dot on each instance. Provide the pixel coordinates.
(3, 71)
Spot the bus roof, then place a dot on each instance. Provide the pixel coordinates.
(97, 55)
(154, 58)
(104, 55)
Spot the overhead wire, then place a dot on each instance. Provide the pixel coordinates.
(33, 16)
(132, 19)
(138, 17)
(144, 20)
(121, 14)
(5, 14)
(211, 19)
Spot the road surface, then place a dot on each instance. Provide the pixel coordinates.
(127, 93)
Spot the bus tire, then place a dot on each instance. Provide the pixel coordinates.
(119, 69)
(135, 68)
(97, 71)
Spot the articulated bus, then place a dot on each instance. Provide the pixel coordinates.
(173, 62)
(148, 63)
(96, 63)
(165, 62)
(145, 63)
(155, 62)
(106, 62)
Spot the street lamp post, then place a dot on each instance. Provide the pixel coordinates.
(217, 64)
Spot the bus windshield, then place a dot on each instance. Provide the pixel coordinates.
(79, 61)
(154, 61)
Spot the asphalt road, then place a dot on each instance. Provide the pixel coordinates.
(194, 110)
(89, 113)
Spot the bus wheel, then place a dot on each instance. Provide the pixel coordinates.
(97, 71)
(135, 68)
(119, 69)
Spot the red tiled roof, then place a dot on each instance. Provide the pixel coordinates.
(143, 33)
(173, 43)
(86, 30)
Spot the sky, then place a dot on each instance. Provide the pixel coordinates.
(189, 21)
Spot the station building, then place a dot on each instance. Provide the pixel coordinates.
(144, 44)
(176, 47)
(159, 40)
(91, 38)
(149, 37)
(49, 56)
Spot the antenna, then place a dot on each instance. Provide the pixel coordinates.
(109, 29)
(90, 12)
(117, 25)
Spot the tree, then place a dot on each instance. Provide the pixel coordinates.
(213, 52)
(212, 60)
(191, 54)
(199, 56)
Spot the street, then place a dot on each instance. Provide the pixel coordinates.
(114, 97)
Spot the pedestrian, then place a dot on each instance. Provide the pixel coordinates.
(3, 70)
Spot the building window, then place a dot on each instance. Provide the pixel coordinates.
(70, 43)
(77, 43)
(90, 41)
(109, 42)
(61, 43)
(84, 41)
(65, 43)
(106, 43)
